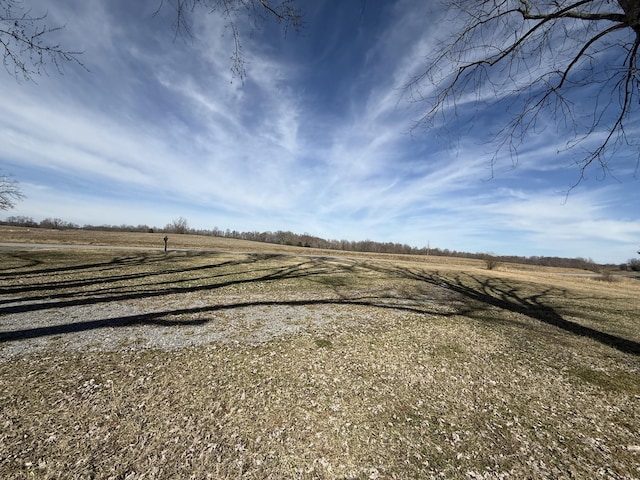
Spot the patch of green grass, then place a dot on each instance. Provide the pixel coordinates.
(323, 343)
(448, 351)
(332, 281)
(608, 381)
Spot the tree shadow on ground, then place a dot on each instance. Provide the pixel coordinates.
(68, 289)
(162, 318)
(500, 293)
(257, 272)
(146, 284)
(477, 293)
(32, 259)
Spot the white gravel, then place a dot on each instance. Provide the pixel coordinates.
(135, 324)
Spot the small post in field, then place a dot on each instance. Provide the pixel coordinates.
(166, 239)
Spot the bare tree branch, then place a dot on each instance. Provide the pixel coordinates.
(10, 192)
(25, 43)
(257, 11)
(541, 56)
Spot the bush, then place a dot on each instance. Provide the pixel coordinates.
(606, 275)
(490, 261)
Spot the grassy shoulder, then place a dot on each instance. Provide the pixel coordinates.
(395, 369)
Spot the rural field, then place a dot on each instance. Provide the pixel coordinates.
(230, 359)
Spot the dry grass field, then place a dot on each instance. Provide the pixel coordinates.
(232, 359)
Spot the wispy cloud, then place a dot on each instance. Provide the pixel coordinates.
(316, 140)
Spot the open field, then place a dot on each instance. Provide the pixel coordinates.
(150, 241)
(243, 360)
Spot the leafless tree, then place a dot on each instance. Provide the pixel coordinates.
(10, 192)
(178, 225)
(533, 58)
(28, 44)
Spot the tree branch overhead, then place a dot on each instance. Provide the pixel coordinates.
(25, 42)
(541, 56)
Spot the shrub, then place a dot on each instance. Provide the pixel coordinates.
(490, 261)
(606, 275)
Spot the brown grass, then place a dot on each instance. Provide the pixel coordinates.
(387, 368)
(153, 241)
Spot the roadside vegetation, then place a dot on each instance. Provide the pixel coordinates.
(272, 364)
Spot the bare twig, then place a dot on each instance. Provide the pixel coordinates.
(540, 55)
(256, 11)
(25, 43)
(9, 192)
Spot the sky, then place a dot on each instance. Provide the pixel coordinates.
(317, 139)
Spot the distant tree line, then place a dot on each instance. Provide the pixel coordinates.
(180, 226)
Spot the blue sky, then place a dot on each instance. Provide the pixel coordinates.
(317, 139)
